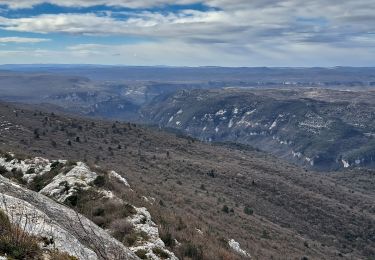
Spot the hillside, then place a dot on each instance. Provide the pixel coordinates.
(316, 128)
(320, 129)
(94, 193)
(209, 197)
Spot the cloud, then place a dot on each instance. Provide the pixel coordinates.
(235, 20)
(178, 53)
(226, 31)
(185, 24)
(17, 4)
(22, 40)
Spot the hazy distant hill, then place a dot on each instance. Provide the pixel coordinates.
(216, 76)
(315, 127)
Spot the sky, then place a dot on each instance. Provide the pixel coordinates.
(284, 33)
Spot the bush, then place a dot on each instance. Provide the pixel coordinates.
(72, 200)
(98, 211)
(130, 239)
(128, 210)
(161, 253)
(54, 164)
(225, 209)
(40, 181)
(3, 170)
(15, 243)
(18, 176)
(100, 181)
(248, 211)
(167, 238)
(192, 251)
(141, 253)
(100, 221)
(71, 163)
(266, 234)
(121, 228)
(30, 171)
(8, 157)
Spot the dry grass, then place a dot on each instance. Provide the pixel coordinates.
(15, 243)
(191, 182)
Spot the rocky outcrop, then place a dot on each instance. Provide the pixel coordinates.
(237, 248)
(143, 223)
(67, 184)
(70, 231)
(64, 180)
(30, 168)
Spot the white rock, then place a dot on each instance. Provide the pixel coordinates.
(236, 247)
(71, 232)
(274, 124)
(66, 185)
(345, 163)
(200, 232)
(119, 177)
(230, 124)
(40, 166)
(220, 112)
(142, 222)
(37, 223)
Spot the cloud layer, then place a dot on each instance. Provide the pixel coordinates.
(22, 40)
(268, 30)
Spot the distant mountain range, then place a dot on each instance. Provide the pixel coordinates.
(325, 121)
(219, 76)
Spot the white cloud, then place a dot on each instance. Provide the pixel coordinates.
(16, 4)
(22, 40)
(256, 32)
(179, 53)
(186, 24)
(235, 21)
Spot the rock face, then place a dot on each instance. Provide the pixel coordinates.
(70, 231)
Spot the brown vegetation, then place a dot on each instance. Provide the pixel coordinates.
(274, 209)
(15, 243)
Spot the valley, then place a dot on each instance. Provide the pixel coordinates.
(316, 128)
(204, 195)
(322, 127)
